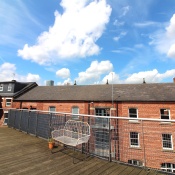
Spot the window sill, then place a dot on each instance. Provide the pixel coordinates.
(167, 150)
(165, 123)
(102, 127)
(134, 121)
(132, 147)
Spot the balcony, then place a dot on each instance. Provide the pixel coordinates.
(125, 141)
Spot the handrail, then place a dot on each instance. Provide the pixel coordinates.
(95, 116)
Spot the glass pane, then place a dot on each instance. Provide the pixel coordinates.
(52, 108)
(133, 112)
(164, 113)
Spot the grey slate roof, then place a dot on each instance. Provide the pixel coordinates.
(25, 87)
(121, 92)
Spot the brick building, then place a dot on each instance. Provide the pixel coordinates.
(8, 91)
(144, 137)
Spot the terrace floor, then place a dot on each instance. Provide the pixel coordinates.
(23, 154)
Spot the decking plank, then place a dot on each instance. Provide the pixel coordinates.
(23, 154)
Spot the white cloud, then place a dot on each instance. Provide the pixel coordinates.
(66, 82)
(63, 73)
(171, 51)
(112, 77)
(122, 34)
(29, 78)
(8, 73)
(171, 28)
(125, 10)
(116, 38)
(118, 23)
(94, 72)
(74, 33)
(164, 41)
(146, 24)
(152, 76)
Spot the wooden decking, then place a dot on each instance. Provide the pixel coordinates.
(23, 154)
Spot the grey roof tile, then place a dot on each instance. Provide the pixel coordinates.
(121, 92)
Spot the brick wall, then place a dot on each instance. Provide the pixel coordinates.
(150, 151)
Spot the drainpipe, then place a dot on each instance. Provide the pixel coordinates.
(20, 105)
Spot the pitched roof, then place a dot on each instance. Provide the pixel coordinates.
(21, 90)
(121, 92)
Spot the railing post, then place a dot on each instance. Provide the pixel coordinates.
(65, 118)
(144, 155)
(14, 120)
(20, 119)
(50, 126)
(9, 116)
(110, 158)
(90, 132)
(36, 123)
(28, 122)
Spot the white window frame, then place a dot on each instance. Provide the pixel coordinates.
(6, 103)
(170, 168)
(130, 139)
(104, 122)
(53, 108)
(5, 118)
(133, 114)
(133, 119)
(75, 117)
(161, 115)
(9, 87)
(167, 142)
(135, 162)
(1, 87)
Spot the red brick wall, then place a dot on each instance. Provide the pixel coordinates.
(150, 133)
(147, 109)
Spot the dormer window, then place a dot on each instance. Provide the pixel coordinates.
(1, 87)
(9, 87)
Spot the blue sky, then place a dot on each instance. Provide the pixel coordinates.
(89, 41)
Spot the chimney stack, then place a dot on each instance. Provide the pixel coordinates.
(144, 81)
(174, 80)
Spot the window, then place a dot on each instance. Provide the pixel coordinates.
(165, 114)
(102, 112)
(133, 113)
(168, 167)
(102, 139)
(167, 141)
(9, 87)
(134, 139)
(135, 162)
(5, 118)
(75, 110)
(1, 87)
(52, 108)
(8, 101)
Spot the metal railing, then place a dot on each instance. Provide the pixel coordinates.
(141, 142)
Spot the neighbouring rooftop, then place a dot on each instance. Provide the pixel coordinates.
(160, 92)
